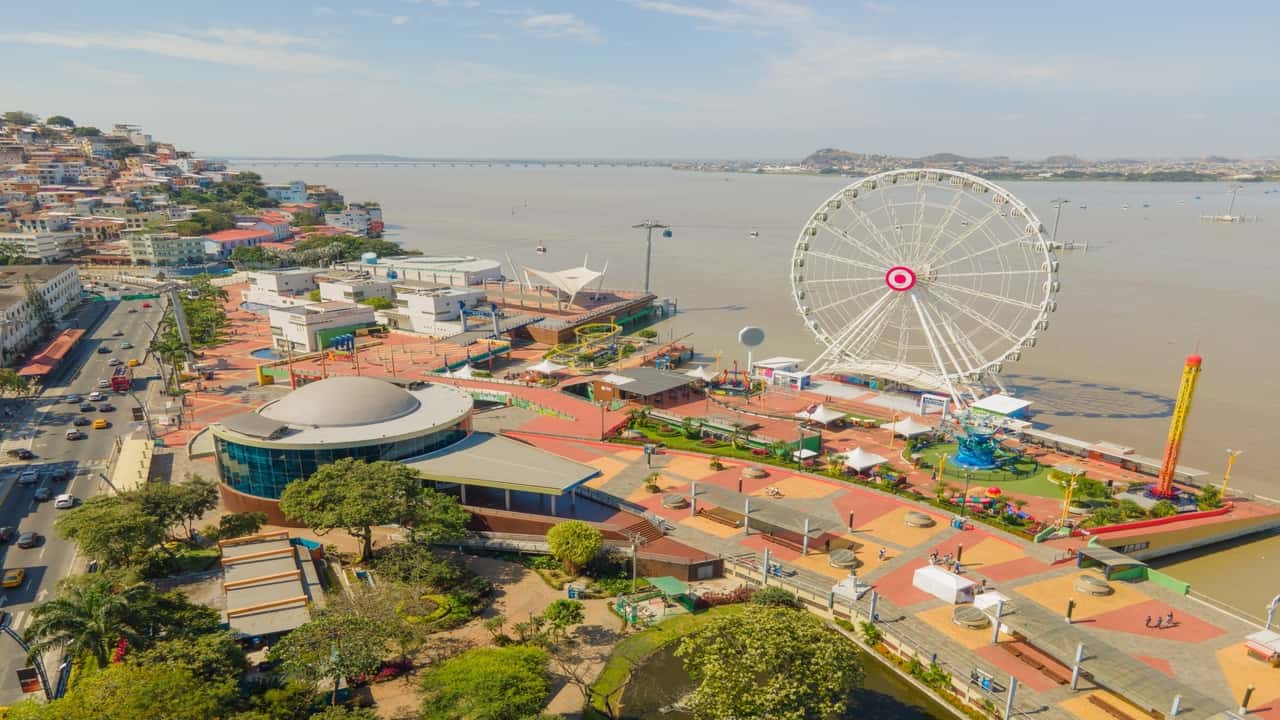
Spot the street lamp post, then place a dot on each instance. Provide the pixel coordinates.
(964, 501)
(648, 226)
(1057, 215)
(1226, 477)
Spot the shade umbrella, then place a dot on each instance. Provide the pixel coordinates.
(546, 367)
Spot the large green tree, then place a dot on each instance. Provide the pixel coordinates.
(87, 131)
(88, 620)
(574, 543)
(355, 496)
(125, 690)
(60, 121)
(507, 683)
(18, 117)
(769, 662)
(234, 525)
(12, 382)
(332, 646)
(112, 529)
(213, 657)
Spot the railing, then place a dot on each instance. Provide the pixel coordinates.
(618, 503)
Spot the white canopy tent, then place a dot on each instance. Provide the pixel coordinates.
(860, 460)
(907, 427)
(803, 454)
(464, 372)
(570, 281)
(546, 367)
(702, 372)
(820, 414)
(943, 585)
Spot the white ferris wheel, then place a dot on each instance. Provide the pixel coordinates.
(929, 278)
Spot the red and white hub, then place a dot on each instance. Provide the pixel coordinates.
(900, 278)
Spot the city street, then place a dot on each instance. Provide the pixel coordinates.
(40, 425)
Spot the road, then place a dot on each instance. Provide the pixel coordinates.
(40, 425)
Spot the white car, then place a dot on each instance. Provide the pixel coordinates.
(64, 501)
(104, 383)
(96, 396)
(114, 362)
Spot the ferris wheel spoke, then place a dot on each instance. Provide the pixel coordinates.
(987, 296)
(865, 220)
(859, 346)
(855, 328)
(933, 348)
(962, 237)
(951, 349)
(972, 360)
(976, 317)
(984, 251)
(993, 273)
(846, 261)
(926, 252)
(843, 300)
(861, 247)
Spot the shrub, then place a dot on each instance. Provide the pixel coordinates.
(740, 594)
(870, 633)
(574, 544)
(774, 596)
(1164, 508)
(1210, 498)
(647, 333)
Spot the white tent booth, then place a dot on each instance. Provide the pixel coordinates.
(943, 585)
(547, 367)
(860, 460)
(907, 427)
(703, 373)
(820, 414)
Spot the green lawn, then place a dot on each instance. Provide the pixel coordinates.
(1028, 477)
(637, 647)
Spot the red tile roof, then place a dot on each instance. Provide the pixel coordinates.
(49, 357)
(230, 236)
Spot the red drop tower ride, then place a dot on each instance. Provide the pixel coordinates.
(1181, 409)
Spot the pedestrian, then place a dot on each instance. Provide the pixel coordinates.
(1169, 621)
(828, 544)
(881, 553)
(1148, 622)
(1159, 622)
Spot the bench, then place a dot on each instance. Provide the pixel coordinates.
(718, 516)
(1046, 670)
(1109, 709)
(779, 540)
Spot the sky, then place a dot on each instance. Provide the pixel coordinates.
(716, 79)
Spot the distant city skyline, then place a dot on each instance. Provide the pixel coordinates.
(749, 79)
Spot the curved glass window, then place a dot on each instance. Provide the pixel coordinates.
(263, 472)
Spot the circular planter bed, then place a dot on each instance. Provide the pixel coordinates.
(754, 473)
(674, 501)
(917, 519)
(632, 435)
(843, 558)
(1093, 585)
(968, 616)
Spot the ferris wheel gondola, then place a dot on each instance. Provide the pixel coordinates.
(929, 278)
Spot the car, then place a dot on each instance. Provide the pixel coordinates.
(106, 407)
(118, 333)
(81, 421)
(103, 349)
(43, 493)
(104, 384)
(86, 407)
(6, 534)
(60, 474)
(133, 362)
(126, 346)
(14, 577)
(114, 362)
(101, 424)
(96, 396)
(74, 434)
(64, 501)
(20, 453)
(28, 478)
(133, 310)
(73, 399)
(146, 304)
(28, 539)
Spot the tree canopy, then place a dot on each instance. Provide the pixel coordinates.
(60, 121)
(18, 117)
(87, 131)
(332, 646)
(507, 683)
(214, 657)
(574, 543)
(355, 496)
(772, 662)
(124, 690)
(12, 382)
(122, 530)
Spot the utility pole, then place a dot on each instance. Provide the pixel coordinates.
(648, 226)
(1057, 215)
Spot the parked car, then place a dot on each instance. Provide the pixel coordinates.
(74, 434)
(146, 304)
(133, 362)
(64, 501)
(81, 421)
(20, 453)
(28, 477)
(118, 333)
(101, 424)
(13, 577)
(126, 346)
(28, 539)
(43, 493)
(6, 534)
(104, 383)
(133, 310)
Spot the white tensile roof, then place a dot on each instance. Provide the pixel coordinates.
(702, 372)
(570, 281)
(463, 372)
(907, 427)
(860, 459)
(820, 414)
(546, 367)
(1000, 404)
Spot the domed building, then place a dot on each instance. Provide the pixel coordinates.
(424, 425)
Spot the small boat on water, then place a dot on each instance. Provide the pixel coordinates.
(755, 233)
(1125, 206)
(541, 249)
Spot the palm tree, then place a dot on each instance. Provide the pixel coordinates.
(89, 620)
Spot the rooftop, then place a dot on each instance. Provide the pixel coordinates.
(500, 462)
(227, 236)
(646, 381)
(269, 584)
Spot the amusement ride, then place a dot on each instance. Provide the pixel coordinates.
(925, 277)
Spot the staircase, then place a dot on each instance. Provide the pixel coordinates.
(643, 529)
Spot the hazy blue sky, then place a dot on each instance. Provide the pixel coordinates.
(658, 78)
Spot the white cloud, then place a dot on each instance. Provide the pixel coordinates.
(100, 74)
(556, 25)
(249, 36)
(877, 7)
(400, 20)
(323, 10)
(190, 47)
(736, 13)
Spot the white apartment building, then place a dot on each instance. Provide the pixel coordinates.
(281, 288)
(165, 249)
(291, 192)
(440, 270)
(19, 324)
(42, 246)
(355, 290)
(296, 327)
(356, 219)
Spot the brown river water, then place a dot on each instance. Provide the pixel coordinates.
(1155, 284)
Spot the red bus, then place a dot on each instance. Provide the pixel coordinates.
(122, 378)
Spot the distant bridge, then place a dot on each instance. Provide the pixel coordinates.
(302, 162)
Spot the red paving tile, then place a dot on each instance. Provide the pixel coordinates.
(865, 505)
(897, 586)
(1026, 674)
(1131, 619)
(1012, 570)
(758, 543)
(1269, 710)
(1158, 663)
(570, 450)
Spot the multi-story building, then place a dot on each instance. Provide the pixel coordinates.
(281, 288)
(221, 244)
(43, 247)
(358, 219)
(20, 321)
(165, 249)
(291, 192)
(437, 270)
(97, 230)
(297, 328)
(355, 289)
